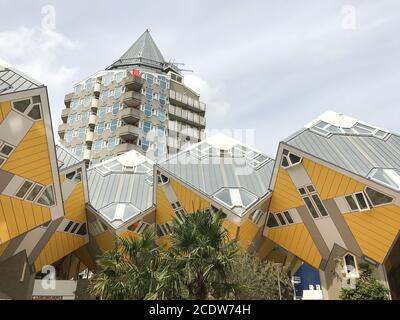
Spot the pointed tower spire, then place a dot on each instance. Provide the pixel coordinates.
(144, 52)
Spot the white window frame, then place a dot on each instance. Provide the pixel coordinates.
(355, 273)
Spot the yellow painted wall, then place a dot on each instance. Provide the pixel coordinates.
(285, 195)
(164, 210)
(375, 230)
(31, 158)
(74, 206)
(328, 182)
(59, 245)
(5, 108)
(296, 239)
(189, 200)
(3, 247)
(18, 216)
(105, 240)
(247, 232)
(84, 256)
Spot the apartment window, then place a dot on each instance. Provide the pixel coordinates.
(35, 114)
(112, 142)
(288, 217)
(115, 108)
(271, 221)
(100, 128)
(162, 179)
(34, 193)
(89, 84)
(313, 202)
(85, 117)
(104, 95)
(69, 135)
(362, 201)
(256, 215)
(149, 79)
(163, 99)
(24, 189)
(82, 230)
(79, 149)
(71, 119)
(113, 125)
(101, 112)
(97, 145)
(69, 225)
(280, 219)
(117, 92)
(350, 266)
(119, 76)
(147, 110)
(47, 197)
(357, 202)
(87, 100)
(76, 225)
(6, 149)
(142, 228)
(145, 144)
(289, 159)
(149, 94)
(81, 133)
(106, 80)
(21, 105)
(147, 126)
(377, 198)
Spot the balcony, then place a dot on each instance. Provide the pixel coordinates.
(64, 115)
(86, 154)
(97, 87)
(186, 102)
(125, 147)
(67, 99)
(94, 105)
(133, 83)
(89, 137)
(92, 120)
(61, 130)
(183, 115)
(130, 115)
(129, 132)
(132, 99)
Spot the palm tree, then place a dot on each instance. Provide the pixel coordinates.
(202, 250)
(134, 269)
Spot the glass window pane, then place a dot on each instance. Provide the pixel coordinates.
(24, 189)
(288, 217)
(280, 218)
(320, 206)
(35, 191)
(361, 201)
(310, 207)
(47, 197)
(377, 198)
(271, 222)
(22, 105)
(35, 112)
(352, 204)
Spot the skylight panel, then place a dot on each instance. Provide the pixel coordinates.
(388, 177)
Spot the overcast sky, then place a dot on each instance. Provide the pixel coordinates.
(268, 66)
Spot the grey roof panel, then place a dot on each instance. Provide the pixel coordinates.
(12, 80)
(209, 174)
(107, 187)
(143, 51)
(358, 154)
(65, 158)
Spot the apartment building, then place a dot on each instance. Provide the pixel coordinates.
(140, 102)
(330, 200)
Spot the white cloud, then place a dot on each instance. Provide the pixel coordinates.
(217, 106)
(34, 52)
